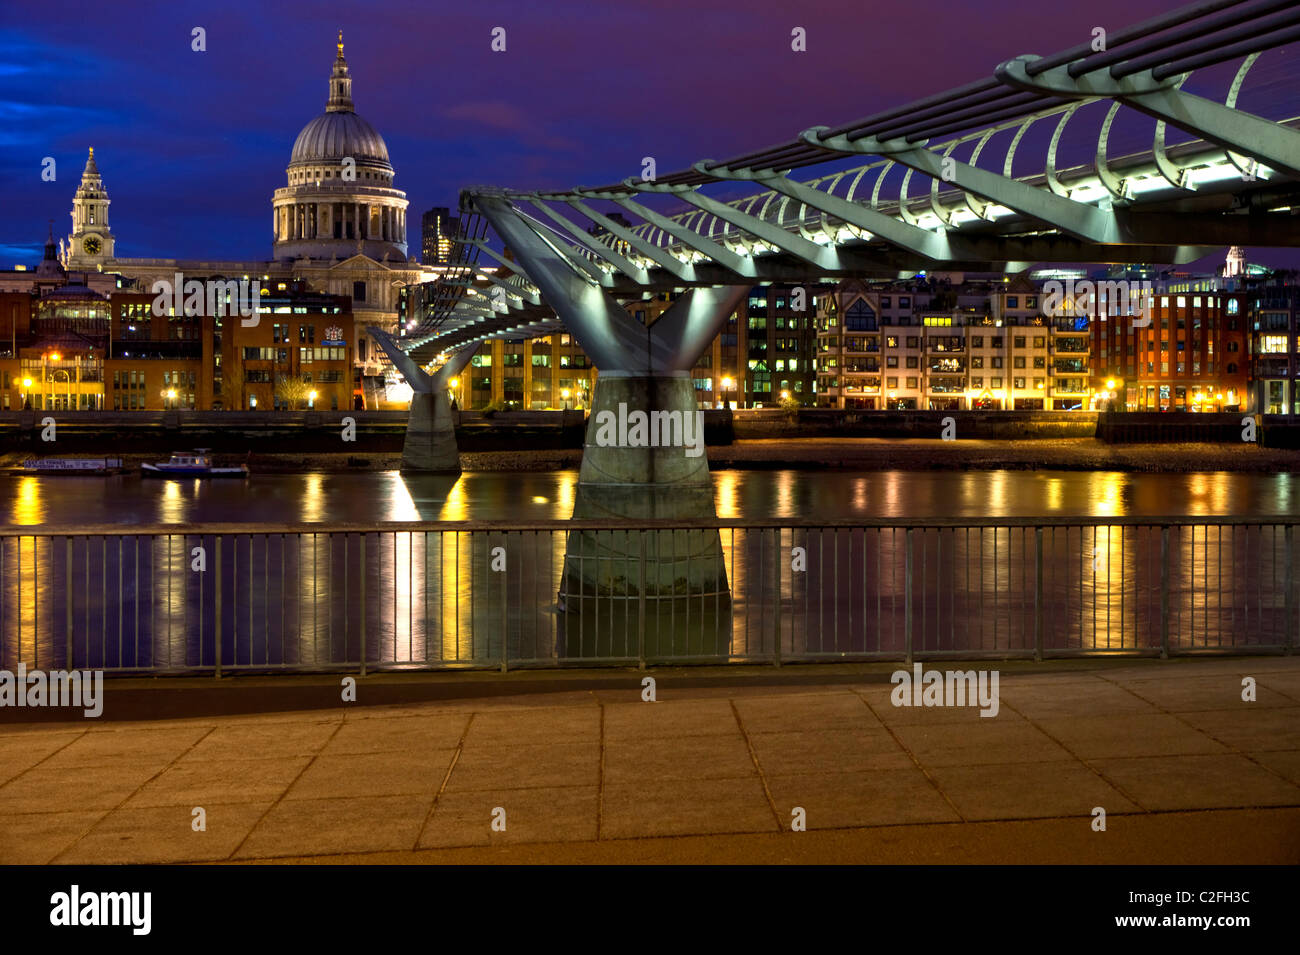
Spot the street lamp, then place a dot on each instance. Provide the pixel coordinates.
(171, 397)
(311, 398)
(564, 393)
(727, 384)
(27, 386)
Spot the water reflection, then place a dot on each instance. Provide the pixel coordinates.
(433, 596)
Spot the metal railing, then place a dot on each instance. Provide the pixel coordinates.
(218, 598)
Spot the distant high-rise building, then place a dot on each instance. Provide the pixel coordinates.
(438, 233)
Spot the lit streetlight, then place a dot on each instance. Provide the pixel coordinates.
(311, 398)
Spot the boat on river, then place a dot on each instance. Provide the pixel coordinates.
(196, 463)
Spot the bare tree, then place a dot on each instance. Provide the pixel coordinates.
(292, 390)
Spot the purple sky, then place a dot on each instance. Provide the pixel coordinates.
(191, 145)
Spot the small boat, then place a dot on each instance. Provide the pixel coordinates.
(196, 463)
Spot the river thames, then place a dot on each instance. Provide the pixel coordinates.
(440, 594)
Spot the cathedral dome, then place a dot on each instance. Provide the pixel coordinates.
(339, 199)
(331, 137)
(339, 133)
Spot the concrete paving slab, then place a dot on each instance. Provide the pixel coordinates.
(674, 807)
(354, 824)
(828, 751)
(282, 738)
(1029, 791)
(37, 838)
(20, 753)
(488, 765)
(1133, 734)
(1075, 699)
(1286, 763)
(70, 790)
(689, 757)
(1205, 693)
(881, 703)
(876, 798)
(976, 743)
(1246, 728)
(164, 834)
(372, 774)
(110, 746)
(398, 735)
(670, 720)
(521, 726)
(1197, 782)
(551, 814)
(767, 714)
(201, 782)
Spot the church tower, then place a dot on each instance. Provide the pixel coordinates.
(91, 243)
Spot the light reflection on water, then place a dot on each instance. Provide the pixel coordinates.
(432, 597)
(810, 495)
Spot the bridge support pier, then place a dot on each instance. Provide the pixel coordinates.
(430, 444)
(647, 594)
(627, 593)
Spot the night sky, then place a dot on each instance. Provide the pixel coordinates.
(191, 145)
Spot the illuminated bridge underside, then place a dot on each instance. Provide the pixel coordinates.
(579, 256)
(957, 205)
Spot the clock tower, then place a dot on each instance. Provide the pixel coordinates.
(91, 243)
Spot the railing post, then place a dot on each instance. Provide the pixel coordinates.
(1038, 594)
(216, 604)
(1164, 592)
(505, 613)
(361, 573)
(640, 608)
(1289, 637)
(907, 595)
(778, 559)
(68, 590)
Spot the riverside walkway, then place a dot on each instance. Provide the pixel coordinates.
(576, 767)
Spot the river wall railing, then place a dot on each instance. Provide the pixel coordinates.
(224, 598)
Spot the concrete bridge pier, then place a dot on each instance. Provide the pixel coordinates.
(430, 445)
(628, 593)
(652, 593)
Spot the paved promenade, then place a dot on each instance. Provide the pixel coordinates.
(1184, 769)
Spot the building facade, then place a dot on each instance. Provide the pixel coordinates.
(338, 229)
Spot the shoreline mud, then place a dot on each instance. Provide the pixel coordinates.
(819, 454)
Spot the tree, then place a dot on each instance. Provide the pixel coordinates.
(292, 390)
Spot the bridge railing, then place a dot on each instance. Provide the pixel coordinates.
(222, 598)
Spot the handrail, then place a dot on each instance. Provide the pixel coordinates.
(588, 524)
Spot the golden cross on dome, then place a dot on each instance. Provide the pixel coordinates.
(340, 42)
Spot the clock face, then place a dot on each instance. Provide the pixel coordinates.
(91, 245)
